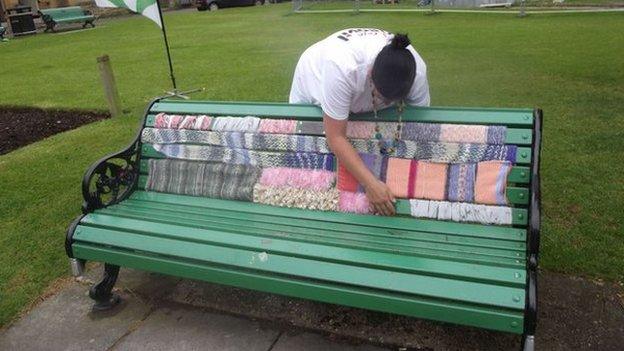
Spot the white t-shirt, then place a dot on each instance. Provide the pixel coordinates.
(334, 73)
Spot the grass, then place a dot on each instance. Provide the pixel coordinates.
(570, 65)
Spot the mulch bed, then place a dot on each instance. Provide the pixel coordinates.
(21, 126)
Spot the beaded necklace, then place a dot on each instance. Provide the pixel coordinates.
(385, 146)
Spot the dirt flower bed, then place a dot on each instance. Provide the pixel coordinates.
(21, 126)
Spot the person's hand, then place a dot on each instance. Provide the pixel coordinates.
(380, 198)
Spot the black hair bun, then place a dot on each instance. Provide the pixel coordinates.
(400, 41)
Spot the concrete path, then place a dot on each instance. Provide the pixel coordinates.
(145, 321)
(164, 313)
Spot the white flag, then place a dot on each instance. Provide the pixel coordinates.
(147, 8)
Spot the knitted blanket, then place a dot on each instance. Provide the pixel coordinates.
(216, 180)
(262, 159)
(461, 212)
(326, 200)
(432, 151)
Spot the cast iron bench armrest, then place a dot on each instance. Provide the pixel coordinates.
(105, 177)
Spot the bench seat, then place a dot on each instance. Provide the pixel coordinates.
(464, 273)
(463, 269)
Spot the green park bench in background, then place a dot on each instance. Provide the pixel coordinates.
(478, 275)
(63, 15)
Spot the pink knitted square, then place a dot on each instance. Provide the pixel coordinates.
(188, 122)
(491, 182)
(278, 126)
(397, 176)
(345, 180)
(457, 133)
(431, 181)
(297, 178)
(353, 202)
(361, 130)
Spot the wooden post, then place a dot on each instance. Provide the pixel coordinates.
(109, 85)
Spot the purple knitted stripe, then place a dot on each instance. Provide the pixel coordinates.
(496, 134)
(512, 151)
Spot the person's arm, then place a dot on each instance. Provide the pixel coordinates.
(378, 193)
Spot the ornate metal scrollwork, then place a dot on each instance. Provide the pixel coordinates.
(111, 179)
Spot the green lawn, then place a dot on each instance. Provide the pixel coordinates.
(570, 65)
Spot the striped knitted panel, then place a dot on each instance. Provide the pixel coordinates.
(262, 159)
(454, 133)
(461, 179)
(491, 182)
(375, 163)
(326, 200)
(216, 180)
(461, 212)
(416, 179)
(431, 151)
(252, 141)
(163, 120)
(441, 151)
(297, 178)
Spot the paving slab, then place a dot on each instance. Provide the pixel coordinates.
(180, 329)
(315, 342)
(574, 314)
(64, 322)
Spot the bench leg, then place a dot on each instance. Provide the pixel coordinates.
(102, 291)
(528, 342)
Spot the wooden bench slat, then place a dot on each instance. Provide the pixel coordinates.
(326, 218)
(407, 283)
(314, 251)
(428, 308)
(460, 253)
(509, 117)
(511, 244)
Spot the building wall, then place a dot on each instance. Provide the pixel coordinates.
(43, 4)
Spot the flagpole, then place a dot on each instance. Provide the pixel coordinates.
(162, 23)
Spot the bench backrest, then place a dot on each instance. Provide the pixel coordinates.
(520, 125)
(64, 12)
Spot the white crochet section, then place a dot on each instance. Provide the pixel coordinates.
(247, 124)
(460, 212)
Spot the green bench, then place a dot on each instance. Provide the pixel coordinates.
(62, 15)
(470, 274)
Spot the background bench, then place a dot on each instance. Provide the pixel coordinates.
(62, 15)
(464, 273)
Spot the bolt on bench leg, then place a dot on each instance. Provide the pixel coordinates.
(77, 267)
(102, 291)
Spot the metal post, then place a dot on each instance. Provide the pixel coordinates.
(522, 9)
(432, 6)
(357, 6)
(109, 85)
(162, 23)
